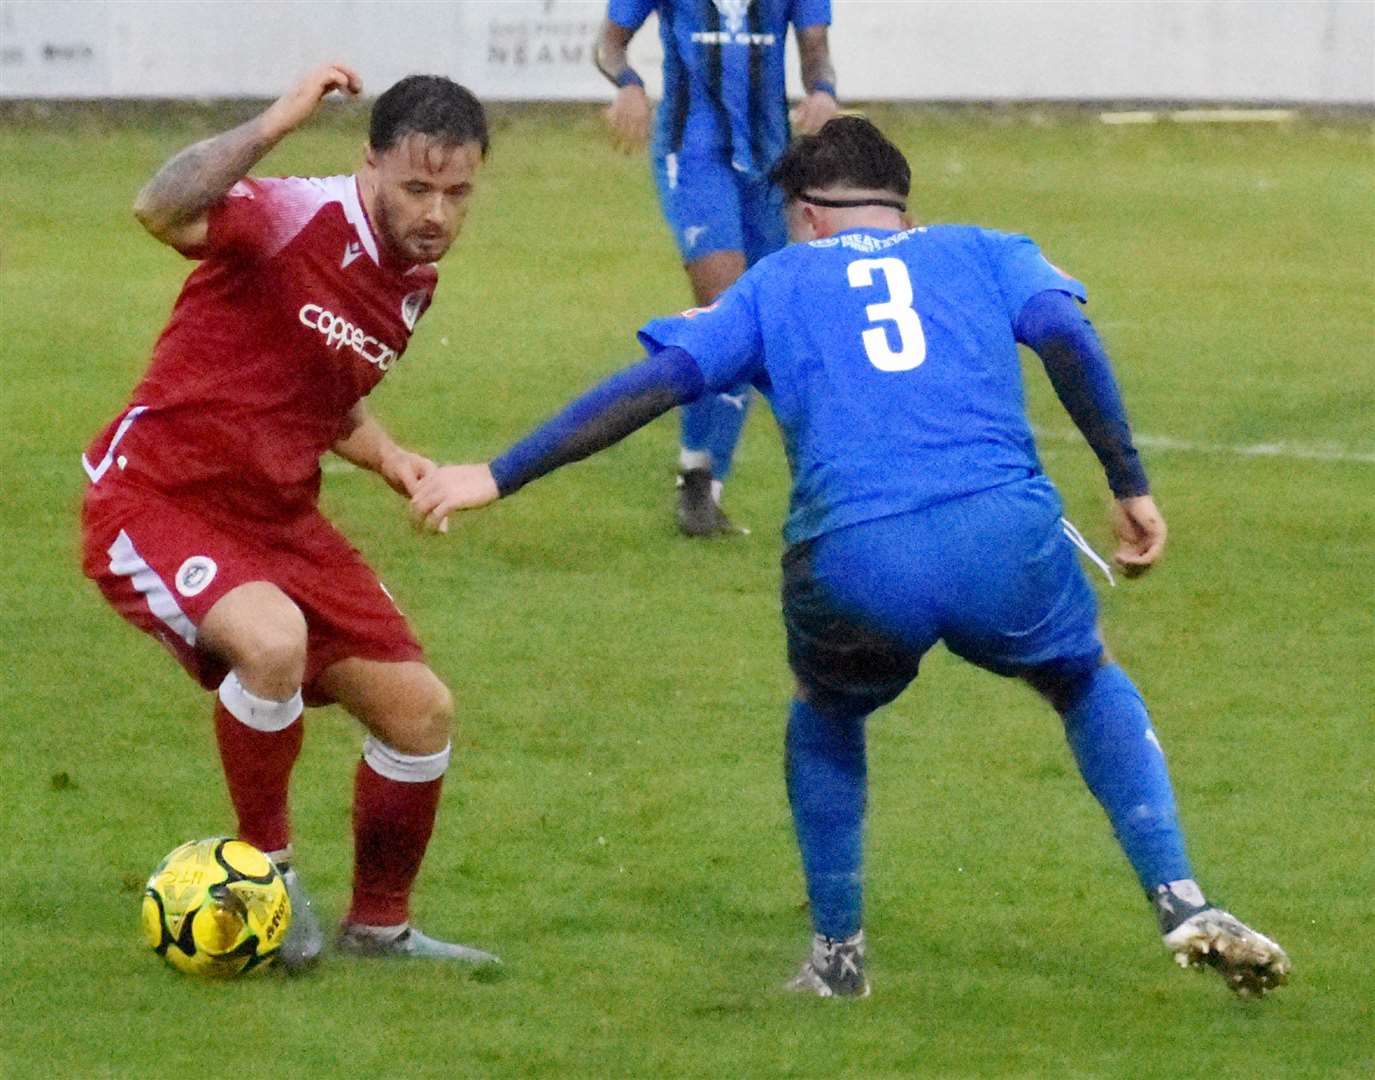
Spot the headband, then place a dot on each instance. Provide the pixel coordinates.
(842, 204)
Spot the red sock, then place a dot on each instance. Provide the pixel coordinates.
(392, 822)
(257, 766)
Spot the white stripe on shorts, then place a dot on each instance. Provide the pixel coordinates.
(125, 561)
(1077, 539)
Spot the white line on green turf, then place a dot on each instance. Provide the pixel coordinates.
(1199, 116)
(1295, 451)
(1260, 450)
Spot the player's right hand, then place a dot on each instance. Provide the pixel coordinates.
(628, 118)
(1141, 534)
(450, 488)
(814, 111)
(299, 103)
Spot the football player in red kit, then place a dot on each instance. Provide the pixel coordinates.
(200, 524)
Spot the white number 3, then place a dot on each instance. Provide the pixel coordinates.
(898, 309)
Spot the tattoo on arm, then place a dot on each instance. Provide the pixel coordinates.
(815, 55)
(199, 176)
(610, 53)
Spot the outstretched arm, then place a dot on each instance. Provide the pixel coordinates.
(628, 114)
(1052, 325)
(174, 205)
(818, 78)
(611, 410)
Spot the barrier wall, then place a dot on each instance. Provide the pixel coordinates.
(1304, 51)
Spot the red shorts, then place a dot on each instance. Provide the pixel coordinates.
(163, 564)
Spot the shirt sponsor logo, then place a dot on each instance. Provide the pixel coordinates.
(726, 37)
(863, 242)
(196, 574)
(338, 332)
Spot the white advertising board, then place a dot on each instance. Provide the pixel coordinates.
(1305, 51)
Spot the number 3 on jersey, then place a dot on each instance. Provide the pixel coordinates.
(897, 309)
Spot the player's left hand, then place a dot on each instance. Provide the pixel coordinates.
(404, 470)
(299, 103)
(816, 108)
(449, 488)
(1141, 532)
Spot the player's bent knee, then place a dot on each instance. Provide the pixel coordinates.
(440, 715)
(277, 654)
(1063, 683)
(261, 633)
(422, 721)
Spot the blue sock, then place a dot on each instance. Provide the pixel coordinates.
(827, 787)
(713, 423)
(1120, 759)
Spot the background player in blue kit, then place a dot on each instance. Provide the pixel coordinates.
(920, 512)
(722, 123)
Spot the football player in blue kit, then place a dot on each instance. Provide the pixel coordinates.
(722, 122)
(919, 512)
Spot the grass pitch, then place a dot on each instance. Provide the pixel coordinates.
(615, 824)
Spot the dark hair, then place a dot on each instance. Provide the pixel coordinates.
(848, 151)
(429, 105)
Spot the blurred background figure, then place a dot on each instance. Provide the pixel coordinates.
(722, 123)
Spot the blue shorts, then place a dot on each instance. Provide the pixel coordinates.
(711, 207)
(992, 575)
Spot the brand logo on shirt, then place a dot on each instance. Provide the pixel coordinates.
(734, 12)
(351, 251)
(692, 234)
(411, 308)
(338, 332)
(196, 574)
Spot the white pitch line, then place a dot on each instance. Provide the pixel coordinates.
(1199, 116)
(1296, 451)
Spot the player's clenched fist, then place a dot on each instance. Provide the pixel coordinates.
(450, 488)
(404, 470)
(296, 106)
(1141, 532)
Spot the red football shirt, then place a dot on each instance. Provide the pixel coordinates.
(292, 317)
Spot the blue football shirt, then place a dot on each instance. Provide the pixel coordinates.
(724, 78)
(889, 360)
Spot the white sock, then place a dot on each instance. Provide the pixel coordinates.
(693, 459)
(379, 933)
(261, 714)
